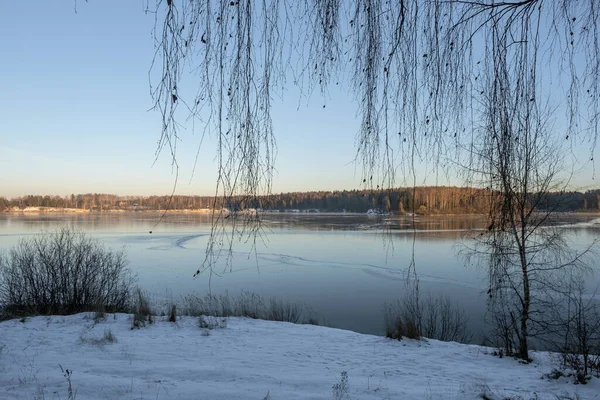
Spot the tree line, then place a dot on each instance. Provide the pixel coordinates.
(422, 200)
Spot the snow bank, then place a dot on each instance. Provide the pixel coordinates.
(251, 359)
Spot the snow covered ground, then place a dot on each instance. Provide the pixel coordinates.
(252, 359)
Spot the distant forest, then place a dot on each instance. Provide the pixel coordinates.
(422, 200)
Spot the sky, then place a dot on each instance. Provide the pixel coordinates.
(75, 112)
(75, 101)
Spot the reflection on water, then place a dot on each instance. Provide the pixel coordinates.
(320, 222)
(344, 267)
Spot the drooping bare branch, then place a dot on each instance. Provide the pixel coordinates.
(421, 73)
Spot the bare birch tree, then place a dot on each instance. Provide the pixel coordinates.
(519, 160)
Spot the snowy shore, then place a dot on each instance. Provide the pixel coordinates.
(253, 359)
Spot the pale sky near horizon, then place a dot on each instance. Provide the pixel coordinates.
(75, 112)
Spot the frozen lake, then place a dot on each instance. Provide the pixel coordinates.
(341, 266)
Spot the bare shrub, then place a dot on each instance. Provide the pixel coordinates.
(107, 338)
(341, 390)
(484, 391)
(68, 374)
(173, 314)
(435, 318)
(579, 321)
(283, 311)
(401, 321)
(411, 330)
(142, 312)
(443, 320)
(394, 328)
(226, 306)
(63, 272)
(502, 323)
(248, 304)
(192, 305)
(210, 304)
(99, 314)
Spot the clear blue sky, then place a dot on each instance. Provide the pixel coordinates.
(74, 100)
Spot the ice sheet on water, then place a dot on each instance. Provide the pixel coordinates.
(162, 242)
